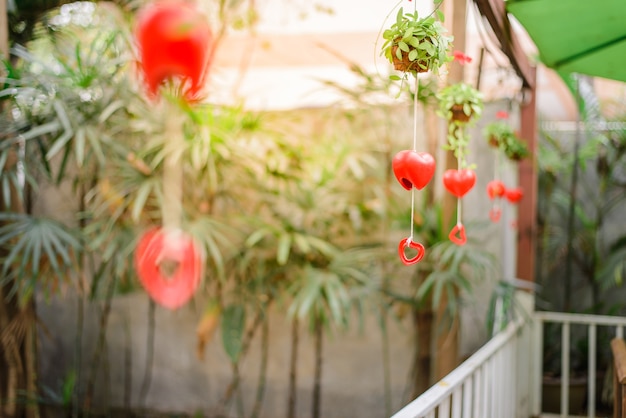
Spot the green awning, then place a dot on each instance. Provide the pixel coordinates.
(577, 36)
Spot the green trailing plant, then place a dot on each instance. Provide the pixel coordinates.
(415, 44)
(460, 103)
(500, 135)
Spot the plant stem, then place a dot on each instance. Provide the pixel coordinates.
(293, 368)
(256, 409)
(147, 376)
(317, 382)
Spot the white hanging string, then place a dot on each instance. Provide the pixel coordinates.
(458, 199)
(415, 115)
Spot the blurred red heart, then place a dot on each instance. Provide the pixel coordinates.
(413, 169)
(169, 266)
(174, 39)
(495, 188)
(459, 182)
(407, 243)
(457, 235)
(514, 195)
(494, 214)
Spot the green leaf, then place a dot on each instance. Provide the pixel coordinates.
(284, 247)
(233, 323)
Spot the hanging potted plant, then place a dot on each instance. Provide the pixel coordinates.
(460, 103)
(501, 135)
(413, 44)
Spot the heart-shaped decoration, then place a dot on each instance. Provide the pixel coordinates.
(413, 169)
(457, 235)
(459, 182)
(514, 195)
(408, 243)
(495, 188)
(169, 265)
(495, 213)
(174, 40)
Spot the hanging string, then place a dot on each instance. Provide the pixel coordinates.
(415, 115)
(458, 200)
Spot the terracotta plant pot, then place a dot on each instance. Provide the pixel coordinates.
(458, 115)
(493, 142)
(405, 64)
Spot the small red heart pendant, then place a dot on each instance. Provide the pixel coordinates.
(459, 182)
(169, 266)
(459, 239)
(174, 40)
(514, 195)
(407, 243)
(495, 188)
(413, 169)
(495, 213)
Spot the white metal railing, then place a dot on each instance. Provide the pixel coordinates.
(592, 322)
(484, 386)
(504, 378)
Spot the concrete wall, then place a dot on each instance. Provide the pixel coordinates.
(353, 383)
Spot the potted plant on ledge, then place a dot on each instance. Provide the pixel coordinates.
(413, 44)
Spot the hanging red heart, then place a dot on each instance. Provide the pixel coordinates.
(459, 182)
(495, 213)
(408, 243)
(413, 169)
(169, 266)
(495, 188)
(457, 235)
(174, 39)
(514, 195)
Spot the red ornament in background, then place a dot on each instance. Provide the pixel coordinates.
(461, 58)
(495, 189)
(514, 195)
(169, 266)
(502, 114)
(174, 40)
(459, 182)
(413, 169)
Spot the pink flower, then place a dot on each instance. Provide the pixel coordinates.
(462, 58)
(502, 114)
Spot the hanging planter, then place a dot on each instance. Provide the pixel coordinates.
(415, 45)
(501, 135)
(460, 103)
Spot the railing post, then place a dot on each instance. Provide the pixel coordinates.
(537, 366)
(522, 356)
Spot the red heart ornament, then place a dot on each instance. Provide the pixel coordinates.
(495, 213)
(413, 169)
(169, 266)
(459, 239)
(514, 195)
(459, 182)
(407, 243)
(174, 40)
(495, 188)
